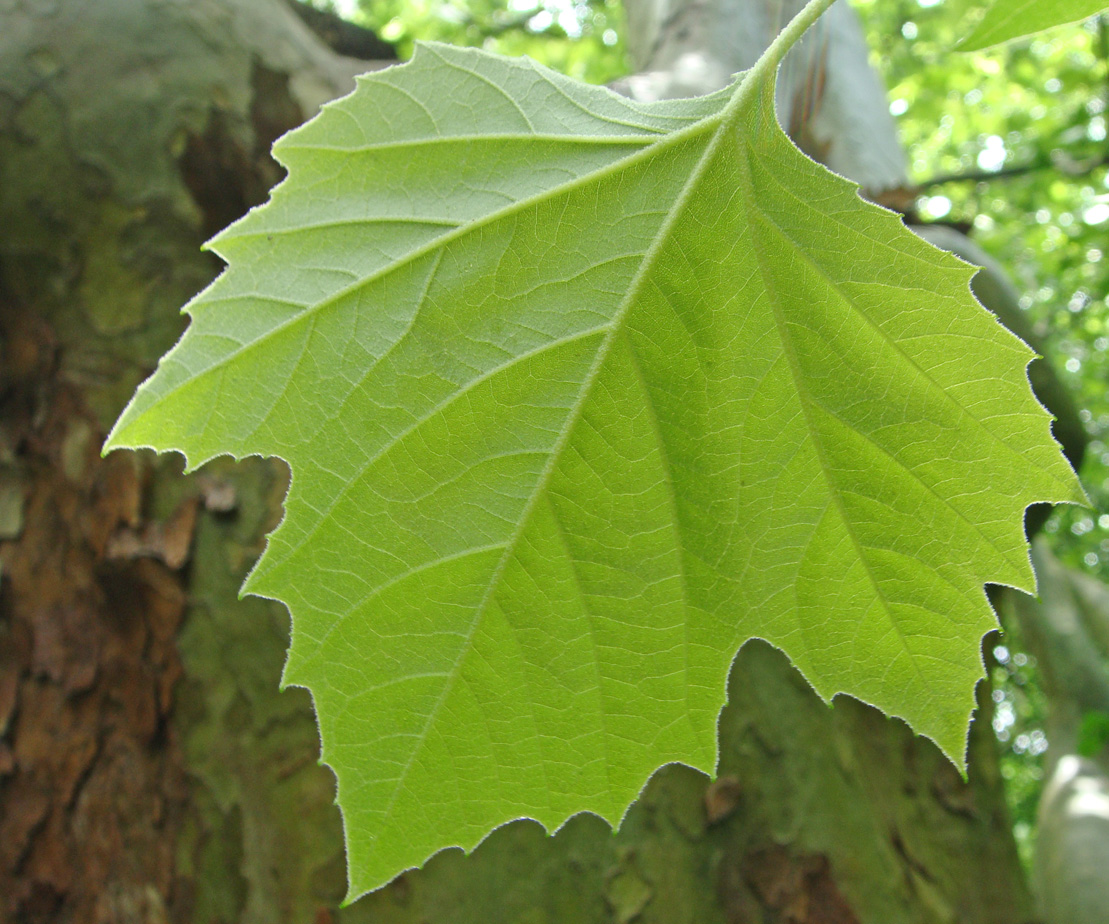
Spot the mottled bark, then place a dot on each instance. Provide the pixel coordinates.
(149, 768)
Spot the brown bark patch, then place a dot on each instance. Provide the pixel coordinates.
(91, 785)
(797, 889)
(722, 798)
(773, 886)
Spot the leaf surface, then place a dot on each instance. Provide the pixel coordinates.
(1011, 19)
(579, 395)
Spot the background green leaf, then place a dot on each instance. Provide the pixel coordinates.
(579, 395)
(1011, 19)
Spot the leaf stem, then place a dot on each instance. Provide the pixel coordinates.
(793, 31)
(767, 65)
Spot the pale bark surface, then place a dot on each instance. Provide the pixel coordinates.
(149, 768)
(1067, 630)
(829, 98)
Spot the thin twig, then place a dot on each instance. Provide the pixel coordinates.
(1059, 161)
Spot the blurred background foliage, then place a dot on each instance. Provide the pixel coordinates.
(582, 38)
(1009, 145)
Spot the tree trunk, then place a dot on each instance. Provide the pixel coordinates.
(1067, 631)
(149, 768)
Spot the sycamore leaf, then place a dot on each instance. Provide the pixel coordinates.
(1012, 19)
(580, 394)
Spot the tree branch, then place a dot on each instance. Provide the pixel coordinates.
(1059, 160)
(345, 38)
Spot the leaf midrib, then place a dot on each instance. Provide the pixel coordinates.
(547, 138)
(616, 328)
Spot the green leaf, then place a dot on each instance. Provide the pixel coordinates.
(1011, 19)
(580, 394)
